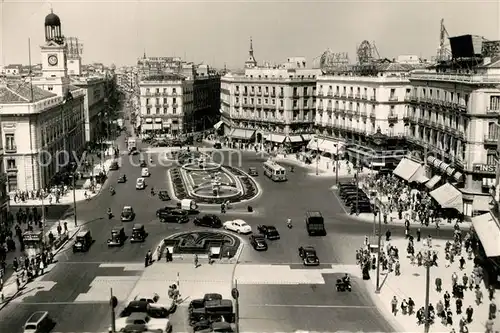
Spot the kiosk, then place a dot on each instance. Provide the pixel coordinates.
(33, 243)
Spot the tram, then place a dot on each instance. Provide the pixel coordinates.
(274, 171)
(33, 243)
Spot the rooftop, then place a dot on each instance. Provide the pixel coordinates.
(12, 93)
(165, 77)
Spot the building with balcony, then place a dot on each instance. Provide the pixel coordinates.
(451, 123)
(360, 113)
(166, 102)
(269, 105)
(4, 197)
(43, 119)
(206, 99)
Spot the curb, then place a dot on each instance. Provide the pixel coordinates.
(7, 302)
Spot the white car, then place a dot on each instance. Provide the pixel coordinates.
(139, 318)
(140, 184)
(145, 172)
(152, 301)
(238, 226)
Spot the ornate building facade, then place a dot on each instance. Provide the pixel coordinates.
(42, 119)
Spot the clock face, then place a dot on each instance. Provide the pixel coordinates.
(52, 60)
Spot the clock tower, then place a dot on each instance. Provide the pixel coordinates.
(54, 58)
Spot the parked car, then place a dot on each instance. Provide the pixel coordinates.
(163, 195)
(114, 166)
(122, 179)
(252, 171)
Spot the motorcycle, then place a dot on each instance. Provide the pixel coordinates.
(110, 215)
(112, 191)
(289, 225)
(343, 285)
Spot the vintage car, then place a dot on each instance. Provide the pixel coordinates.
(268, 231)
(140, 184)
(83, 241)
(209, 220)
(117, 237)
(258, 242)
(145, 172)
(173, 216)
(142, 318)
(163, 195)
(252, 171)
(127, 214)
(238, 226)
(139, 234)
(217, 145)
(211, 307)
(114, 166)
(122, 179)
(308, 256)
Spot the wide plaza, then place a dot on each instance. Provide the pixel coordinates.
(277, 293)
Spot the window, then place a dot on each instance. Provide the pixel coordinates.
(266, 101)
(252, 88)
(267, 89)
(305, 91)
(148, 110)
(157, 90)
(259, 101)
(393, 111)
(174, 91)
(281, 90)
(157, 110)
(11, 164)
(12, 182)
(281, 102)
(295, 103)
(245, 101)
(494, 103)
(174, 100)
(10, 142)
(157, 101)
(393, 92)
(165, 101)
(147, 100)
(237, 100)
(164, 90)
(491, 158)
(147, 90)
(295, 91)
(260, 89)
(174, 111)
(492, 130)
(237, 89)
(246, 89)
(50, 88)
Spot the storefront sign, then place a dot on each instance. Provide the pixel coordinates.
(32, 236)
(487, 168)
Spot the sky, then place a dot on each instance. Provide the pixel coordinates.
(218, 32)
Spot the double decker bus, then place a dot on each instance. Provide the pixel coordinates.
(274, 171)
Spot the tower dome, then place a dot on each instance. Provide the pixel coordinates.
(52, 20)
(53, 31)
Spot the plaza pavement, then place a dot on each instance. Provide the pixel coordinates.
(411, 283)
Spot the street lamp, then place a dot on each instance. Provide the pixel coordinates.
(336, 164)
(428, 264)
(317, 156)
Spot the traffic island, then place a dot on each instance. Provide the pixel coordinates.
(207, 182)
(208, 245)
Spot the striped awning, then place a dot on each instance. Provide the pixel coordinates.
(294, 138)
(432, 182)
(430, 159)
(443, 166)
(481, 203)
(307, 137)
(448, 196)
(488, 231)
(437, 162)
(489, 182)
(244, 134)
(450, 171)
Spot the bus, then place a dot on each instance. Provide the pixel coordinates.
(274, 171)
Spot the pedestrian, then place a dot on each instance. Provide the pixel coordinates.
(439, 284)
(462, 263)
(419, 234)
(479, 296)
(465, 280)
(388, 235)
(394, 305)
(449, 318)
(404, 307)
(65, 227)
(469, 312)
(458, 304)
(398, 268)
(158, 252)
(492, 311)
(411, 306)
(454, 279)
(491, 292)
(446, 300)
(195, 261)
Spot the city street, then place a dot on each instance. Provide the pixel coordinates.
(264, 308)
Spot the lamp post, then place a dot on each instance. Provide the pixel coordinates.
(428, 264)
(317, 156)
(336, 164)
(379, 244)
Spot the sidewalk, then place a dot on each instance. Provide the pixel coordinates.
(10, 290)
(67, 199)
(411, 283)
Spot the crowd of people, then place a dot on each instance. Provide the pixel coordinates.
(412, 205)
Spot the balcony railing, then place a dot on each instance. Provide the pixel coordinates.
(392, 117)
(320, 94)
(266, 94)
(259, 93)
(344, 95)
(372, 98)
(330, 94)
(10, 149)
(495, 110)
(252, 93)
(273, 94)
(329, 108)
(358, 96)
(491, 139)
(477, 78)
(337, 94)
(245, 93)
(281, 95)
(364, 97)
(393, 99)
(351, 95)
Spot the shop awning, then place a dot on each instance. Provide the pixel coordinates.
(430, 159)
(488, 231)
(307, 137)
(295, 138)
(432, 182)
(407, 169)
(244, 134)
(218, 124)
(457, 176)
(313, 145)
(328, 146)
(447, 196)
(276, 138)
(481, 203)
(422, 179)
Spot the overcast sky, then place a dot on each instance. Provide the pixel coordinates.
(218, 32)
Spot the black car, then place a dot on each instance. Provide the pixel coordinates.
(173, 216)
(308, 256)
(217, 145)
(269, 231)
(122, 179)
(252, 171)
(209, 220)
(114, 166)
(142, 163)
(258, 243)
(163, 195)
